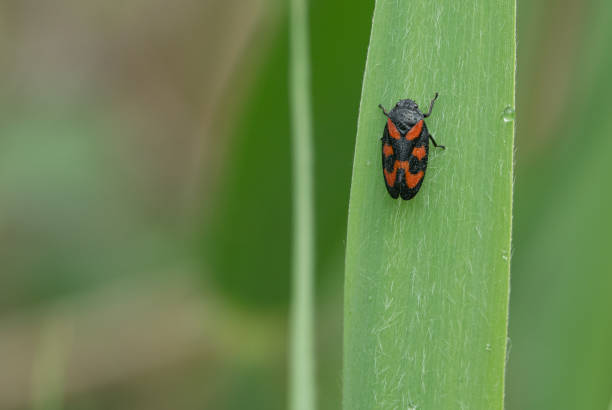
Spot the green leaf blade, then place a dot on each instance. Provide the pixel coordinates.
(426, 294)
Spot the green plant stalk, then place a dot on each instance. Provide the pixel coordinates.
(427, 280)
(302, 385)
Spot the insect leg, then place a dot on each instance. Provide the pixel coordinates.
(431, 104)
(434, 142)
(383, 109)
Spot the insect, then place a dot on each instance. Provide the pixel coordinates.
(405, 146)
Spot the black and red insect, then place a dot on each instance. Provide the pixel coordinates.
(405, 146)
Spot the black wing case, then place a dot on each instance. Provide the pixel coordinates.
(388, 163)
(418, 152)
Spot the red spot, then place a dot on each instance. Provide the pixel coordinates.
(403, 164)
(390, 176)
(387, 150)
(419, 153)
(393, 129)
(412, 180)
(415, 131)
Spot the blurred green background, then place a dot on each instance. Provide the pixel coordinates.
(145, 202)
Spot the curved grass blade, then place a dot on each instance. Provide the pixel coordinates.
(426, 297)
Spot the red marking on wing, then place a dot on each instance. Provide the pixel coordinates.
(405, 165)
(393, 129)
(415, 131)
(412, 180)
(402, 164)
(390, 176)
(419, 153)
(387, 150)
